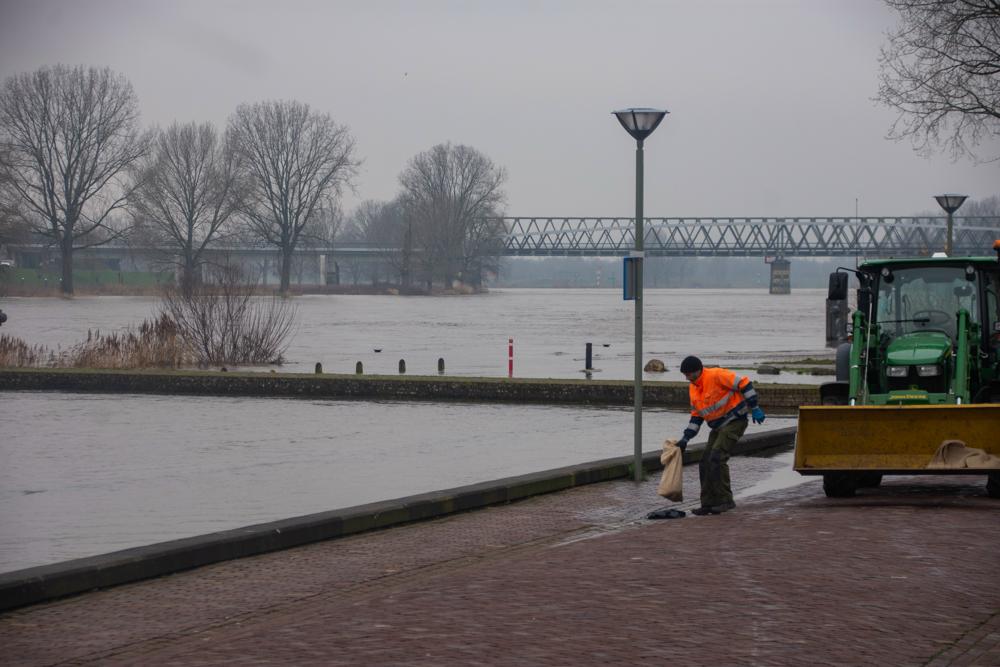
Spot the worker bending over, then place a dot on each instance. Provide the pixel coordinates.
(724, 400)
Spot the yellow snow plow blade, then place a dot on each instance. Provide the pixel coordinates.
(889, 438)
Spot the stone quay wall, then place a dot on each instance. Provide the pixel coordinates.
(785, 397)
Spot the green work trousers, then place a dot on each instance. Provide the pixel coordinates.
(714, 467)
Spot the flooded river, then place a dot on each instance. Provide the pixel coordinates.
(550, 328)
(82, 474)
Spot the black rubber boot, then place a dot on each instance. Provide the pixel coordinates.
(714, 509)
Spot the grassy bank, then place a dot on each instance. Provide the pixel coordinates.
(38, 282)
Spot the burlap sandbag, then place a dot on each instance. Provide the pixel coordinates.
(672, 480)
(955, 454)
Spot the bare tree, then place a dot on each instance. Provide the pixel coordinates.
(990, 206)
(323, 227)
(13, 225)
(12, 229)
(448, 193)
(187, 191)
(385, 226)
(68, 137)
(294, 160)
(483, 248)
(941, 71)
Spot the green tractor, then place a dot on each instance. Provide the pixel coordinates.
(923, 367)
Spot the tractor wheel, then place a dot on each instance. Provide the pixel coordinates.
(869, 480)
(993, 485)
(840, 484)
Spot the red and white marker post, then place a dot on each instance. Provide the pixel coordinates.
(510, 357)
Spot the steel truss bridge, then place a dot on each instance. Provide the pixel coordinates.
(749, 237)
(678, 237)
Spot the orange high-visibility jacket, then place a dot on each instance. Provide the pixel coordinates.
(718, 397)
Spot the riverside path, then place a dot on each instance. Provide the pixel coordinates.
(904, 574)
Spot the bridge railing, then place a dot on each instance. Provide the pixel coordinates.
(786, 237)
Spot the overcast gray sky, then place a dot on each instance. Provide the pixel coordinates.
(770, 100)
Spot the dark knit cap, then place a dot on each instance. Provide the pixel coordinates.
(690, 365)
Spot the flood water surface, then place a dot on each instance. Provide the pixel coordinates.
(82, 474)
(550, 329)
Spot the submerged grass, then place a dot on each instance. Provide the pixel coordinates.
(155, 344)
(14, 352)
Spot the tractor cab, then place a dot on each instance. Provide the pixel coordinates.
(922, 314)
(929, 333)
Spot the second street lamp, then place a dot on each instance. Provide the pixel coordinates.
(950, 203)
(640, 123)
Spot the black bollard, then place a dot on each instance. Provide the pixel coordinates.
(441, 366)
(402, 367)
(319, 368)
(590, 354)
(359, 368)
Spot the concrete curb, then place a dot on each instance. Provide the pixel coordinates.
(49, 582)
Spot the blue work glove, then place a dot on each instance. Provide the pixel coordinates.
(682, 444)
(758, 416)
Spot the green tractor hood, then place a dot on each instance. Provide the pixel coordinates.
(922, 348)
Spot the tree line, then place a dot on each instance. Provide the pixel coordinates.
(78, 169)
(438, 226)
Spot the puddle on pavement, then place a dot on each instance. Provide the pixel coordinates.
(782, 476)
(629, 504)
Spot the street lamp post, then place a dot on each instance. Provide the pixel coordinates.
(640, 123)
(950, 204)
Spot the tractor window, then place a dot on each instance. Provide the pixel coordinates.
(993, 309)
(926, 299)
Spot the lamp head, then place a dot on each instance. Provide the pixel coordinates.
(641, 121)
(950, 203)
